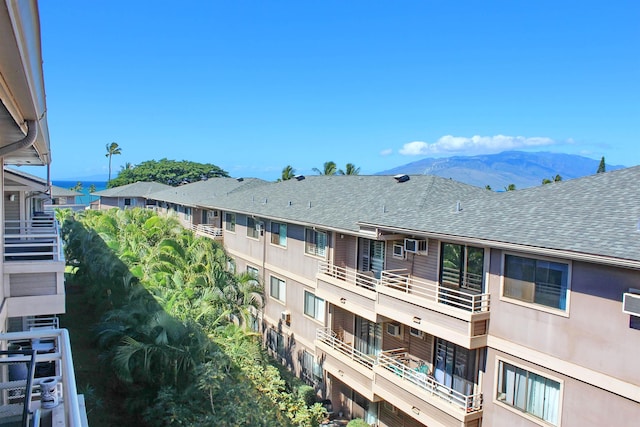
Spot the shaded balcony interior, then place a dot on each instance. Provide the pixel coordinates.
(36, 239)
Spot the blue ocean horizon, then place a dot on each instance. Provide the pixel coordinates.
(86, 197)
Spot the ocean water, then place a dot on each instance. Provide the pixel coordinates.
(86, 198)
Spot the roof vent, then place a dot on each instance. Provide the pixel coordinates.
(458, 206)
(239, 179)
(299, 177)
(290, 203)
(401, 177)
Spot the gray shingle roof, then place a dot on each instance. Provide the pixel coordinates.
(137, 189)
(63, 192)
(204, 193)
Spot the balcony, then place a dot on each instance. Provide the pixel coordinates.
(417, 393)
(34, 267)
(346, 363)
(459, 315)
(345, 287)
(53, 364)
(207, 231)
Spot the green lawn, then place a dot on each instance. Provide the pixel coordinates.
(104, 407)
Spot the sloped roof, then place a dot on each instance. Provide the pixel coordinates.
(136, 189)
(204, 193)
(63, 192)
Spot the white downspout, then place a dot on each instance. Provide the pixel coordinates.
(27, 141)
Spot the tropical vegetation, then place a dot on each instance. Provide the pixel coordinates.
(170, 172)
(113, 149)
(176, 326)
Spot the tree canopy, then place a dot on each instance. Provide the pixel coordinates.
(601, 167)
(170, 172)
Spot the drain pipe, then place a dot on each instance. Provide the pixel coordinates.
(27, 141)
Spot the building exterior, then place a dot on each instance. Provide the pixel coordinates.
(127, 196)
(421, 301)
(32, 261)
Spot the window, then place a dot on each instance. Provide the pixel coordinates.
(230, 221)
(462, 267)
(455, 366)
(279, 234)
(231, 266)
(252, 229)
(253, 272)
(313, 306)
(529, 392)
(127, 202)
(311, 371)
(315, 242)
(536, 281)
(278, 289)
(187, 213)
(275, 342)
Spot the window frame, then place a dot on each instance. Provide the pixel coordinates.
(319, 307)
(534, 418)
(277, 338)
(311, 247)
(281, 238)
(252, 230)
(534, 305)
(282, 289)
(230, 222)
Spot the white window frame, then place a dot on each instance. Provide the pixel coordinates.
(282, 289)
(318, 309)
(311, 247)
(252, 231)
(230, 222)
(517, 410)
(540, 307)
(282, 238)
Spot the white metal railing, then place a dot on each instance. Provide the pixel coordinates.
(36, 239)
(60, 353)
(330, 338)
(395, 361)
(207, 230)
(76, 207)
(358, 278)
(465, 300)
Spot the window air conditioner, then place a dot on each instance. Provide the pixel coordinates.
(259, 227)
(286, 316)
(393, 329)
(416, 246)
(631, 302)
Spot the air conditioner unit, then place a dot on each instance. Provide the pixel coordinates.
(416, 246)
(259, 227)
(393, 329)
(398, 250)
(286, 316)
(416, 333)
(631, 302)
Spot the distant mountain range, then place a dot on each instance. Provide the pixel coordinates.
(521, 168)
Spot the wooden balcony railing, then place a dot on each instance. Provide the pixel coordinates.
(462, 299)
(328, 337)
(37, 239)
(394, 361)
(357, 278)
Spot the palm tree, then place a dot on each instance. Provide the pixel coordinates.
(288, 172)
(77, 187)
(350, 169)
(112, 149)
(556, 178)
(510, 187)
(329, 168)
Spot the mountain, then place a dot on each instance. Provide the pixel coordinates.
(521, 168)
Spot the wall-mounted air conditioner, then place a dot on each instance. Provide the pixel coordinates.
(286, 316)
(259, 227)
(398, 250)
(631, 302)
(393, 329)
(416, 246)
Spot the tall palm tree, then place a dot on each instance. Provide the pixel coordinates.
(112, 149)
(288, 172)
(350, 169)
(329, 168)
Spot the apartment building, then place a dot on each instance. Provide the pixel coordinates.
(35, 355)
(421, 301)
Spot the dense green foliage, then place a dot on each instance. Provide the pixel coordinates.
(170, 172)
(174, 327)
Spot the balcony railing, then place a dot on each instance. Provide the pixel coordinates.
(330, 338)
(394, 361)
(54, 361)
(37, 239)
(466, 300)
(207, 230)
(357, 278)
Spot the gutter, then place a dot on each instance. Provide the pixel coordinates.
(27, 141)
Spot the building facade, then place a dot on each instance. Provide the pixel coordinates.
(419, 301)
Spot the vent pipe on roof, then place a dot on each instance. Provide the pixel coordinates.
(458, 206)
(289, 202)
(309, 204)
(299, 177)
(401, 177)
(27, 141)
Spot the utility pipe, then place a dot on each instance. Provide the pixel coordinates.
(27, 141)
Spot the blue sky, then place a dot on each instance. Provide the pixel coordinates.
(252, 86)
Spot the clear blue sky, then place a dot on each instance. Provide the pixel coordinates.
(252, 86)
